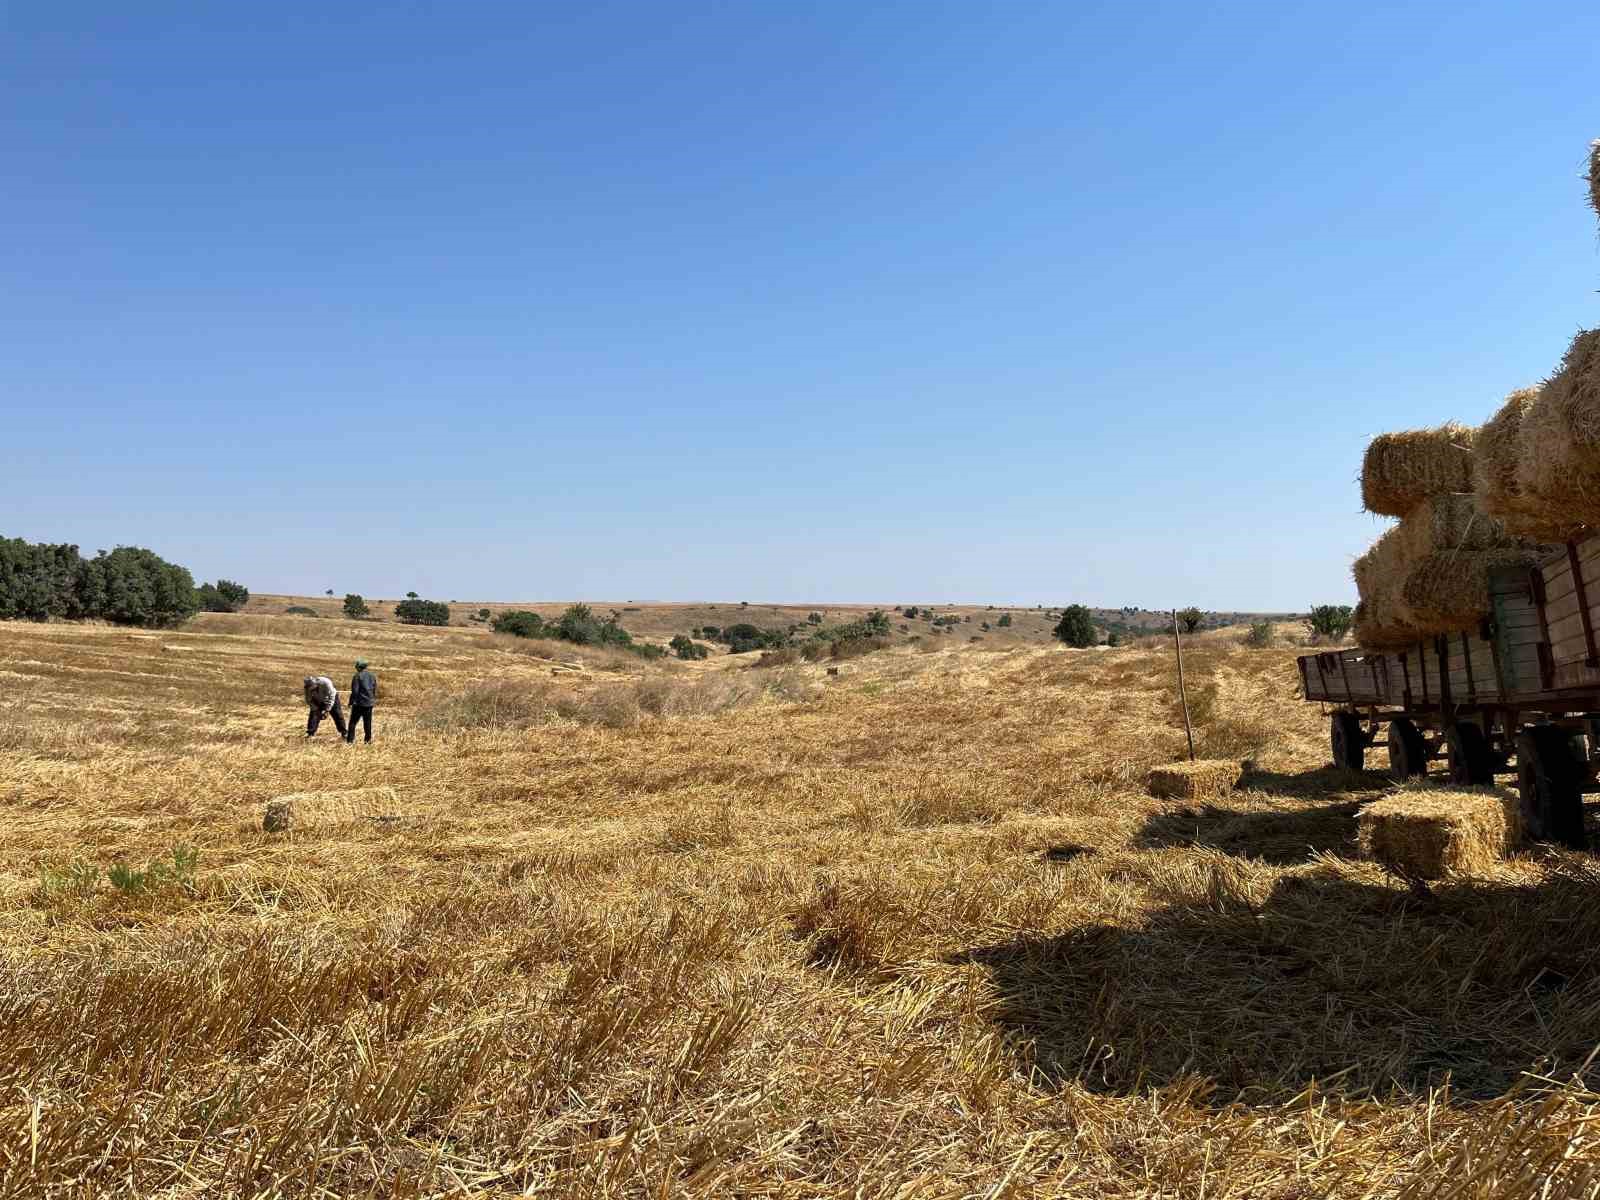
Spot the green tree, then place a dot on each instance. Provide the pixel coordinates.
(687, 648)
(355, 607)
(409, 595)
(1076, 627)
(422, 612)
(234, 595)
(814, 619)
(1331, 621)
(1190, 618)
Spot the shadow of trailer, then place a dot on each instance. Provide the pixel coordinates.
(1521, 694)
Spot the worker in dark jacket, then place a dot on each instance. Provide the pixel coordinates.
(322, 699)
(363, 695)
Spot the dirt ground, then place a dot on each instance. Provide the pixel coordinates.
(910, 930)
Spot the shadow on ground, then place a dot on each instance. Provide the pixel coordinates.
(1358, 987)
(1263, 820)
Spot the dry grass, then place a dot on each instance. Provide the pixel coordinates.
(1432, 833)
(922, 936)
(1401, 470)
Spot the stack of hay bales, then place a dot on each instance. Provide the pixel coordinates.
(1429, 574)
(1434, 834)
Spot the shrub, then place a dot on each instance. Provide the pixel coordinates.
(710, 632)
(912, 610)
(1331, 621)
(1190, 618)
(484, 614)
(743, 638)
(814, 618)
(1076, 627)
(784, 656)
(412, 611)
(1005, 621)
(1260, 635)
(687, 648)
(210, 599)
(236, 595)
(300, 610)
(521, 623)
(1113, 638)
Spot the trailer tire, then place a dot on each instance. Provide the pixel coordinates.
(1467, 750)
(1550, 780)
(1349, 743)
(1408, 757)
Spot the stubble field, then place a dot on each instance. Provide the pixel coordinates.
(913, 930)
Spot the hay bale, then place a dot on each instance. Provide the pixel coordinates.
(1558, 464)
(1207, 779)
(1426, 834)
(1497, 470)
(1401, 470)
(300, 809)
(1448, 592)
(1594, 176)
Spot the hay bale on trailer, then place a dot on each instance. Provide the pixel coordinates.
(1448, 592)
(298, 810)
(1558, 463)
(1497, 471)
(1424, 834)
(1206, 779)
(1594, 176)
(1401, 470)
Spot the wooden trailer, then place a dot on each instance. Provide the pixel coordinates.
(1521, 693)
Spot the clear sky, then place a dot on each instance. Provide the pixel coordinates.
(895, 301)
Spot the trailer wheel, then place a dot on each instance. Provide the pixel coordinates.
(1467, 750)
(1550, 779)
(1349, 743)
(1408, 757)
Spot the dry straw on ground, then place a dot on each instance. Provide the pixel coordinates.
(1204, 779)
(1431, 834)
(299, 810)
(923, 936)
(1401, 470)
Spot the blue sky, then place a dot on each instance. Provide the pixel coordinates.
(898, 302)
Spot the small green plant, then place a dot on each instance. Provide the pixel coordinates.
(814, 619)
(177, 871)
(1260, 635)
(687, 648)
(300, 610)
(1113, 638)
(75, 881)
(1190, 618)
(1005, 621)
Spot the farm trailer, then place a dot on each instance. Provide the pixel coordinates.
(1521, 693)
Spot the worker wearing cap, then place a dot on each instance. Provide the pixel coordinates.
(363, 695)
(322, 699)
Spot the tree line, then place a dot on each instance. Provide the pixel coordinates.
(128, 586)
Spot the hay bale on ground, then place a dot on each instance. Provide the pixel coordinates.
(1424, 834)
(1558, 463)
(1207, 779)
(1401, 470)
(297, 810)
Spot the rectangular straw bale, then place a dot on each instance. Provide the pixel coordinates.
(1496, 467)
(1207, 779)
(1558, 462)
(1428, 834)
(1400, 470)
(1378, 625)
(1594, 176)
(1448, 592)
(300, 809)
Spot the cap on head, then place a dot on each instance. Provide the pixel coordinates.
(361, 664)
(310, 679)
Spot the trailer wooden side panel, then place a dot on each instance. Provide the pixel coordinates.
(1346, 677)
(1518, 630)
(1572, 614)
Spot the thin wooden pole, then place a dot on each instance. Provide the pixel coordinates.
(1183, 696)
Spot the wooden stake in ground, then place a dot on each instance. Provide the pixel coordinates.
(1183, 696)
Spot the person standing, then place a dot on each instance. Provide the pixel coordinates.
(322, 698)
(363, 695)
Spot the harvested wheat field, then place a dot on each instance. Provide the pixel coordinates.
(913, 930)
